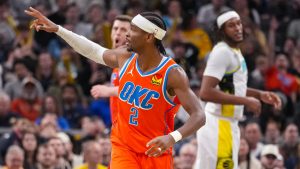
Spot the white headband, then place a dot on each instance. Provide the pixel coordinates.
(148, 26)
(225, 17)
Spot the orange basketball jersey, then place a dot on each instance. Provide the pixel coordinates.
(113, 100)
(145, 109)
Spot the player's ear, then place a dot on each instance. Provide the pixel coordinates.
(150, 37)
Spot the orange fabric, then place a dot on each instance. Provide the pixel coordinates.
(122, 158)
(144, 112)
(113, 100)
(287, 83)
(27, 110)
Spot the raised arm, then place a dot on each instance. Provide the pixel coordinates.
(178, 84)
(112, 58)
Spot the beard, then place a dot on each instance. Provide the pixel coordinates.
(30, 96)
(231, 40)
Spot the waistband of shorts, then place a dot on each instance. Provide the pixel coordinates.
(230, 119)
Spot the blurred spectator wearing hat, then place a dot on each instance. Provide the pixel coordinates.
(270, 156)
(22, 68)
(29, 104)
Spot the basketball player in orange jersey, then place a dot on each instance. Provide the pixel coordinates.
(143, 134)
(119, 30)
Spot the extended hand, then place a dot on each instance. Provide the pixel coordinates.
(41, 22)
(159, 145)
(271, 98)
(98, 91)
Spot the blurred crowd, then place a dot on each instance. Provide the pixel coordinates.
(49, 120)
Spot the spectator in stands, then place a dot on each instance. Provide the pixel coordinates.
(48, 129)
(60, 152)
(29, 104)
(256, 39)
(95, 14)
(293, 30)
(253, 137)
(278, 79)
(243, 9)
(269, 156)
(195, 35)
(72, 17)
(73, 159)
(246, 160)
(15, 136)
(45, 71)
(207, 14)
(289, 146)
(257, 76)
(295, 70)
(6, 114)
(46, 157)
(7, 34)
(100, 108)
(29, 145)
(187, 155)
(92, 128)
(272, 134)
(92, 153)
(176, 162)
(73, 108)
(51, 108)
(173, 19)
(14, 158)
(106, 150)
(21, 69)
(186, 55)
(62, 78)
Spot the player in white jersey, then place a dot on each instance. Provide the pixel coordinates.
(224, 89)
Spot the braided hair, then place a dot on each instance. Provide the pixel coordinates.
(158, 21)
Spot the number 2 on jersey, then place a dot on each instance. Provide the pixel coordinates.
(133, 116)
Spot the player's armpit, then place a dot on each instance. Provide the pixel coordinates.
(179, 83)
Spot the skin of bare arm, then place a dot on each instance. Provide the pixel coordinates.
(178, 84)
(112, 58)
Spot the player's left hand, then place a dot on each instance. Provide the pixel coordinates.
(159, 145)
(271, 98)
